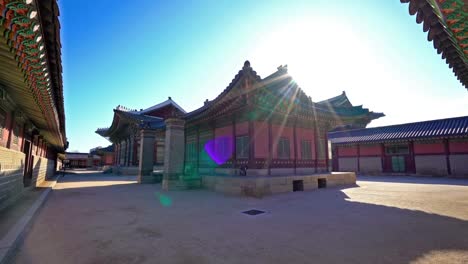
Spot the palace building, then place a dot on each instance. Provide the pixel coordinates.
(32, 119)
(255, 127)
(435, 148)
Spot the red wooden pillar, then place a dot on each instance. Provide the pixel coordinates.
(326, 150)
(382, 157)
(251, 145)
(358, 158)
(213, 131)
(198, 149)
(336, 158)
(135, 151)
(447, 156)
(315, 146)
(10, 129)
(295, 145)
(155, 160)
(412, 164)
(117, 154)
(234, 145)
(270, 146)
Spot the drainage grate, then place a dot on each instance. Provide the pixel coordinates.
(253, 212)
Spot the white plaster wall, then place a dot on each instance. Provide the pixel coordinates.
(347, 164)
(459, 165)
(305, 170)
(370, 165)
(282, 171)
(431, 165)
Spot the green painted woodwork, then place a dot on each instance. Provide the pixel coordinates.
(23, 62)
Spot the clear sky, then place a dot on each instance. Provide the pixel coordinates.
(137, 53)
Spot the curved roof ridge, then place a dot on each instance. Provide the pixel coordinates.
(169, 101)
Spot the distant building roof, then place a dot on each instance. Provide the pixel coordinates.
(441, 128)
(169, 101)
(76, 155)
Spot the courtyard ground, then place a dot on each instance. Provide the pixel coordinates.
(97, 218)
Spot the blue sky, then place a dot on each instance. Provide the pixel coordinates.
(137, 53)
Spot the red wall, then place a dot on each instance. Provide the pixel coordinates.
(347, 151)
(242, 129)
(432, 148)
(370, 150)
(458, 147)
(108, 159)
(223, 131)
(261, 139)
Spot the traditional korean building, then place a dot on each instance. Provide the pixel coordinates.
(81, 160)
(106, 155)
(436, 148)
(32, 120)
(446, 22)
(256, 126)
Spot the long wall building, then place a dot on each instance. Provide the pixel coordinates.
(435, 148)
(32, 121)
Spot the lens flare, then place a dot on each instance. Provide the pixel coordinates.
(164, 199)
(220, 149)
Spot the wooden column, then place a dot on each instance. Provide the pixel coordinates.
(315, 146)
(198, 149)
(336, 157)
(358, 158)
(135, 154)
(412, 164)
(326, 150)
(213, 132)
(447, 156)
(234, 147)
(382, 157)
(116, 153)
(10, 130)
(129, 151)
(295, 145)
(270, 146)
(251, 145)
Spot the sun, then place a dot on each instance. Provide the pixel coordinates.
(324, 57)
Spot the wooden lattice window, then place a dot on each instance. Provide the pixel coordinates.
(283, 148)
(396, 150)
(306, 149)
(191, 151)
(242, 147)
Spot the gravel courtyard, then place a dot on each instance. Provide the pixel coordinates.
(96, 218)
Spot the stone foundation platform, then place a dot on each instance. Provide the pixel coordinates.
(259, 186)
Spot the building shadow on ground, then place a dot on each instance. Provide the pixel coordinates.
(321, 226)
(414, 179)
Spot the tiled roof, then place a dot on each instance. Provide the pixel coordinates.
(447, 27)
(450, 127)
(340, 100)
(282, 85)
(76, 155)
(169, 101)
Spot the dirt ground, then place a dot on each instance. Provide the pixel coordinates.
(95, 218)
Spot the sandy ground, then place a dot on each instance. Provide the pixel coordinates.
(111, 219)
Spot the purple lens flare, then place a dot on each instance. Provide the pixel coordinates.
(220, 149)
